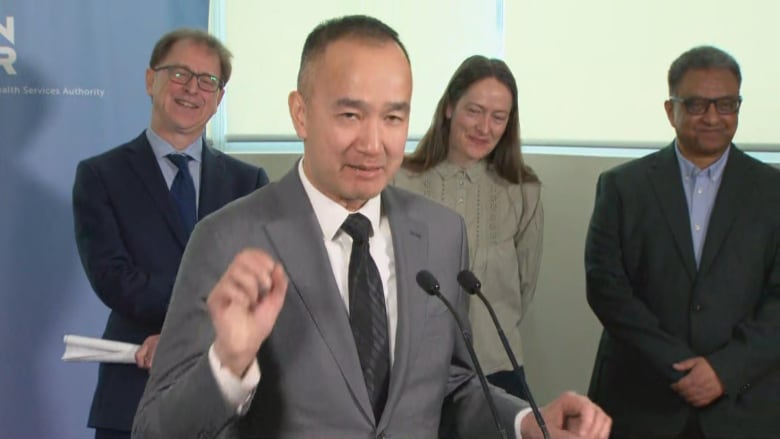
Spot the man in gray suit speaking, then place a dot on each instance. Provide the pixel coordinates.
(310, 282)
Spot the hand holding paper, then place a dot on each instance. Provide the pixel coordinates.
(145, 353)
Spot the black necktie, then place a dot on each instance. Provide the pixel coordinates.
(183, 191)
(367, 313)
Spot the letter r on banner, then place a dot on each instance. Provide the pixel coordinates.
(7, 53)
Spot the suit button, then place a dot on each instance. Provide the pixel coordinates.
(381, 435)
(697, 307)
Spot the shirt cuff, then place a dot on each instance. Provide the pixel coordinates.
(238, 392)
(519, 421)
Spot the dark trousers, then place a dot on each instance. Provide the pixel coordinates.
(692, 431)
(509, 381)
(105, 433)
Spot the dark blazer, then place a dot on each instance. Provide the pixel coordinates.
(312, 385)
(658, 309)
(131, 239)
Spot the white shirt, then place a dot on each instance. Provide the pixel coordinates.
(331, 215)
(338, 244)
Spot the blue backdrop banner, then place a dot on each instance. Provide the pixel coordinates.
(71, 86)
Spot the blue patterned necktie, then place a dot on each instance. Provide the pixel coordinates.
(367, 313)
(183, 191)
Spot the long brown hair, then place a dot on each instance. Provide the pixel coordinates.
(506, 157)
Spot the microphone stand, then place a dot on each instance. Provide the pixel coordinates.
(430, 285)
(471, 284)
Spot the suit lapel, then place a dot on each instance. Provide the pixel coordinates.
(727, 205)
(297, 239)
(665, 177)
(410, 247)
(144, 163)
(212, 174)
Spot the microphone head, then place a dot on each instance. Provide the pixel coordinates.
(469, 282)
(428, 282)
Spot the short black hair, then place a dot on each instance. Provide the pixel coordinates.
(700, 58)
(353, 26)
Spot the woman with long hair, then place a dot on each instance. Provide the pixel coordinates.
(470, 160)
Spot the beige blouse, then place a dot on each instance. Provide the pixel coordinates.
(504, 225)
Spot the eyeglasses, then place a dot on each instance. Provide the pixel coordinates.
(182, 75)
(698, 106)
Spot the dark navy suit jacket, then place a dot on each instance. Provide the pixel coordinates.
(131, 239)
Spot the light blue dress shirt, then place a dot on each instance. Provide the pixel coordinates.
(161, 148)
(701, 188)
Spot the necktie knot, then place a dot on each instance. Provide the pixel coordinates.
(180, 160)
(358, 227)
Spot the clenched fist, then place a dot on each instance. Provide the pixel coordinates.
(244, 305)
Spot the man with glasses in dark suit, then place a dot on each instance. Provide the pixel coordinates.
(683, 270)
(136, 205)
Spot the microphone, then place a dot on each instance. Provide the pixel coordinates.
(471, 284)
(430, 285)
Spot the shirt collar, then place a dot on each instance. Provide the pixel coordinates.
(161, 147)
(714, 171)
(330, 214)
(447, 169)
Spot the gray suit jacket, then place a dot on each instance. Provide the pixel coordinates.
(312, 384)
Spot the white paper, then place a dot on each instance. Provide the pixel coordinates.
(79, 348)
